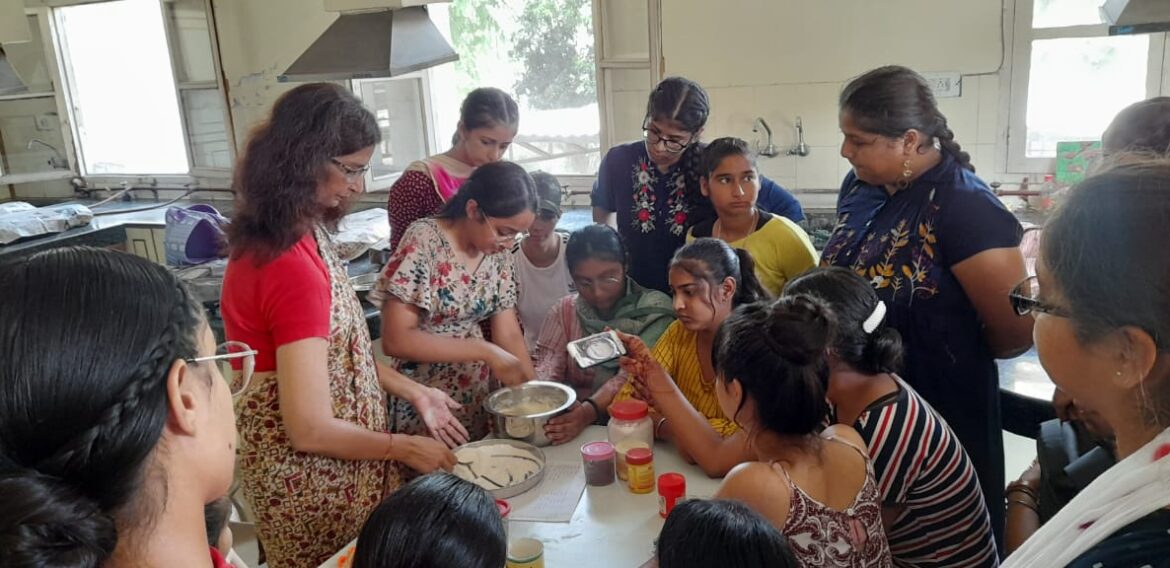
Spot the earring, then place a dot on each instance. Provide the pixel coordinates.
(907, 173)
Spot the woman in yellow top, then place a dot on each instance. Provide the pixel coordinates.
(780, 248)
(709, 280)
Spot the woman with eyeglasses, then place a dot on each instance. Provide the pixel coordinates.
(449, 273)
(488, 120)
(1100, 299)
(940, 250)
(652, 185)
(115, 424)
(316, 449)
(606, 298)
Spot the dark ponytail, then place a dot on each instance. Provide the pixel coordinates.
(501, 189)
(892, 100)
(87, 338)
(776, 351)
(487, 107)
(852, 301)
(713, 260)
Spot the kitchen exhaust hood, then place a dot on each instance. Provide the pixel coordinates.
(10, 83)
(1136, 16)
(372, 38)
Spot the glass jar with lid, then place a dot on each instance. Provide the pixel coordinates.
(630, 427)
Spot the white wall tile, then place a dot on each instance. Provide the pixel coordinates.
(963, 113)
(818, 170)
(779, 167)
(817, 105)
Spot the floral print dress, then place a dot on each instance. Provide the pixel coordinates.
(308, 506)
(425, 273)
(905, 245)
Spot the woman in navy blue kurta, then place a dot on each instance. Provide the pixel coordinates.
(941, 251)
(653, 184)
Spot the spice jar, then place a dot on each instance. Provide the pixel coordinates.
(599, 463)
(671, 488)
(641, 470)
(630, 427)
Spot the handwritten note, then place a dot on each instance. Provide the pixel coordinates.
(555, 499)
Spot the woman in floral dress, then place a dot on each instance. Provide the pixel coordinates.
(940, 250)
(449, 273)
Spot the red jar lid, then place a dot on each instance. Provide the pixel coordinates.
(503, 507)
(597, 451)
(672, 484)
(639, 456)
(629, 410)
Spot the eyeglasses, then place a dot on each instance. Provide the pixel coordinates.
(352, 175)
(654, 138)
(227, 354)
(501, 237)
(606, 283)
(1025, 299)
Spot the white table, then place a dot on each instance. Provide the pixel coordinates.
(611, 526)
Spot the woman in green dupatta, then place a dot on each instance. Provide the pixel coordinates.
(606, 298)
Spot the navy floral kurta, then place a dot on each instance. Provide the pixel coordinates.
(905, 246)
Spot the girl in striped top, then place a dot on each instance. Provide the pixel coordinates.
(709, 279)
(932, 505)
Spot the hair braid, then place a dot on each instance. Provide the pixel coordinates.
(146, 381)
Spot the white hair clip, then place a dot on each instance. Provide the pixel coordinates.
(872, 322)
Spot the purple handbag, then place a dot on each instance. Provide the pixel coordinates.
(194, 235)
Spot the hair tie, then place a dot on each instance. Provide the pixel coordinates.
(872, 322)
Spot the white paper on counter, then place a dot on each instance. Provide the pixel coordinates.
(554, 500)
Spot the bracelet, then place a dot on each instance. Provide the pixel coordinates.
(1030, 506)
(389, 448)
(658, 428)
(596, 409)
(1016, 486)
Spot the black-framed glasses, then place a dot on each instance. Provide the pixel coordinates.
(227, 355)
(654, 138)
(1025, 299)
(352, 175)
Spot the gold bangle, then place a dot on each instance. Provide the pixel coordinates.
(1016, 486)
(1030, 506)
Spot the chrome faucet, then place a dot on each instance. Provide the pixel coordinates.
(801, 149)
(56, 162)
(769, 150)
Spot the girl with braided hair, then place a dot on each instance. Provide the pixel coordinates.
(940, 250)
(116, 424)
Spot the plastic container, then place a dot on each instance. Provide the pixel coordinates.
(641, 469)
(598, 458)
(671, 489)
(1043, 202)
(629, 428)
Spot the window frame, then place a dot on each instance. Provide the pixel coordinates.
(1157, 79)
(195, 175)
(430, 138)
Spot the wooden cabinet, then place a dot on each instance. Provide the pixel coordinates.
(147, 242)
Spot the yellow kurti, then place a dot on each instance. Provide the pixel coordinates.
(781, 249)
(677, 352)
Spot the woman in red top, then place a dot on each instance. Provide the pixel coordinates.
(488, 120)
(314, 436)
